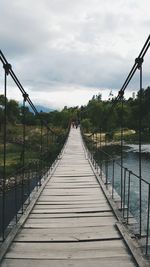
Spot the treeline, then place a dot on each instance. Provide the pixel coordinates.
(17, 114)
(100, 114)
(95, 115)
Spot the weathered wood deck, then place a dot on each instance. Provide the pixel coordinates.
(71, 223)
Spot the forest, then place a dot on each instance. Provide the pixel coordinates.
(97, 112)
(96, 115)
(93, 116)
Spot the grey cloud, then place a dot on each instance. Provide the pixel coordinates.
(21, 31)
(59, 43)
(71, 67)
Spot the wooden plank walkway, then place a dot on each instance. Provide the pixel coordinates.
(71, 223)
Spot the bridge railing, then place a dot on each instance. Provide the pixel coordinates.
(28, 151)
(133, 191)
(125, 192)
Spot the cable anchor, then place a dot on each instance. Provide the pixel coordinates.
(7, 67)
(121, 94)
(25, 96)
(139, 62)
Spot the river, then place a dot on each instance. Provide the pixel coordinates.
(131, 161)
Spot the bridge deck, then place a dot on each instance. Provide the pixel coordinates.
(71, 223)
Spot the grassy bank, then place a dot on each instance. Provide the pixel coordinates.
(129, 136)
(14, 147)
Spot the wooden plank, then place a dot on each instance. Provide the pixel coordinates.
(65, 237)
(68, 234)
(69, 207)
(69, 193)
(78, 221)
(82, 210)
(122, 261)
(72, 250)
(75, 203)
(67, 222)
(71, 215)
(71, 181)
(85, 176)
(72, 190)
(72, 195)
(70, 198)
(75, 170)
(66, 186)
(70, 174)
(64, 200)
(66, 183)
(51, 206)
(73, 173)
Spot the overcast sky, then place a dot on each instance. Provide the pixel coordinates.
(64, 51)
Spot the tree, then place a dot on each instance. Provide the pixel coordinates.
(27, 116)
(86, 124)
(13, 111)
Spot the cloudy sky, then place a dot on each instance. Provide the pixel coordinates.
(64, 51)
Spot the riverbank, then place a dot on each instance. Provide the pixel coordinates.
(130, 136)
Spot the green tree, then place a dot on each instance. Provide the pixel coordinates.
(86, 124)
(13, 111)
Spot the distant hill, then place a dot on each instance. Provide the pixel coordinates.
(44, 109)
(41, 108)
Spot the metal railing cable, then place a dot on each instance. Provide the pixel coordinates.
(16, 188)
(107, 172)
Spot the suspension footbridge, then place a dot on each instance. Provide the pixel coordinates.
(64, 205)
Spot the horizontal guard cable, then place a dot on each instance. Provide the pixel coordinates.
(14, 77)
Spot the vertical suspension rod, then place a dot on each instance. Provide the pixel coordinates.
(121, 136)
(7, 68)
(140, 61)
